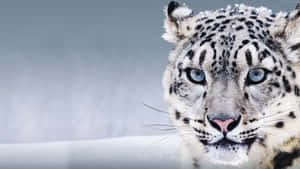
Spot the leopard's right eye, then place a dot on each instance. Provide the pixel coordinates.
(196, 75)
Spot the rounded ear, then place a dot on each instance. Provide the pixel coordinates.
(289, 35)
(175, 14)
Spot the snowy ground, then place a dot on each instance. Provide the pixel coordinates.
(151, 152)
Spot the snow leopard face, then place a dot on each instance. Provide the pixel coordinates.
(232, 83)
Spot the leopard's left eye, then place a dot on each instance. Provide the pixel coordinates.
(256, 76)
(196, 75)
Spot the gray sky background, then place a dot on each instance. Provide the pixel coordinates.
(80, 69)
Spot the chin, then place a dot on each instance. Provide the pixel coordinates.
(227, 154)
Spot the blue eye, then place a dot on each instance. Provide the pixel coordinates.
(256, 75)
(196, 75)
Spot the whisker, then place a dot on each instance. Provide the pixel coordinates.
(155, 109)
(273, 115)
(158, 125)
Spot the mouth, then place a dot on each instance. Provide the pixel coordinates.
(228, 152)
(226, 144)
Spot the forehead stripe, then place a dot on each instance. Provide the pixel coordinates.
(248, 57)
(202, 57)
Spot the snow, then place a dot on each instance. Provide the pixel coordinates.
(149, 152)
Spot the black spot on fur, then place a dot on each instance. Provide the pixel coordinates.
(269, 19)
(279, 124)
(295, 47)
(292, 115)
(245, 42)
(171, 89)
(190, 54)
(246, 96)
(252, 120)
(220, 16)
(202, 34)
(186, 120)
(284, 159)
(204, 94)
(286, 84)
(278, 73)
(239, 28)
(226, 21)
(209, 21)
(255, 45)
(177, 115)
(276, 84)
(198, 27)
(297, 91)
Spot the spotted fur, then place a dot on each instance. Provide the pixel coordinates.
(227, 45)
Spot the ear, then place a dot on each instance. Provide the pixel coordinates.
(290, 35)
(175, 15)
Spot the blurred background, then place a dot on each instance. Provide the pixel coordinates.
(81, 69)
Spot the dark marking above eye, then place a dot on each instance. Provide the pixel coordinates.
(279, 124)
(190, 54)
(202, 57)
(284, 159)
(248, 57)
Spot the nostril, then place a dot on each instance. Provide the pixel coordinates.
(234, 124)
(224, 125)
(214, 125)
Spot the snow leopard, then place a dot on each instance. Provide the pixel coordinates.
(232, 86)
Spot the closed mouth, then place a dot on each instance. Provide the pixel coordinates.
(226, 143)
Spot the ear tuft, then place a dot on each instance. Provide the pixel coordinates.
(175, 15)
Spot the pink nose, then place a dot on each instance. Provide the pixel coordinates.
(223, 124)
